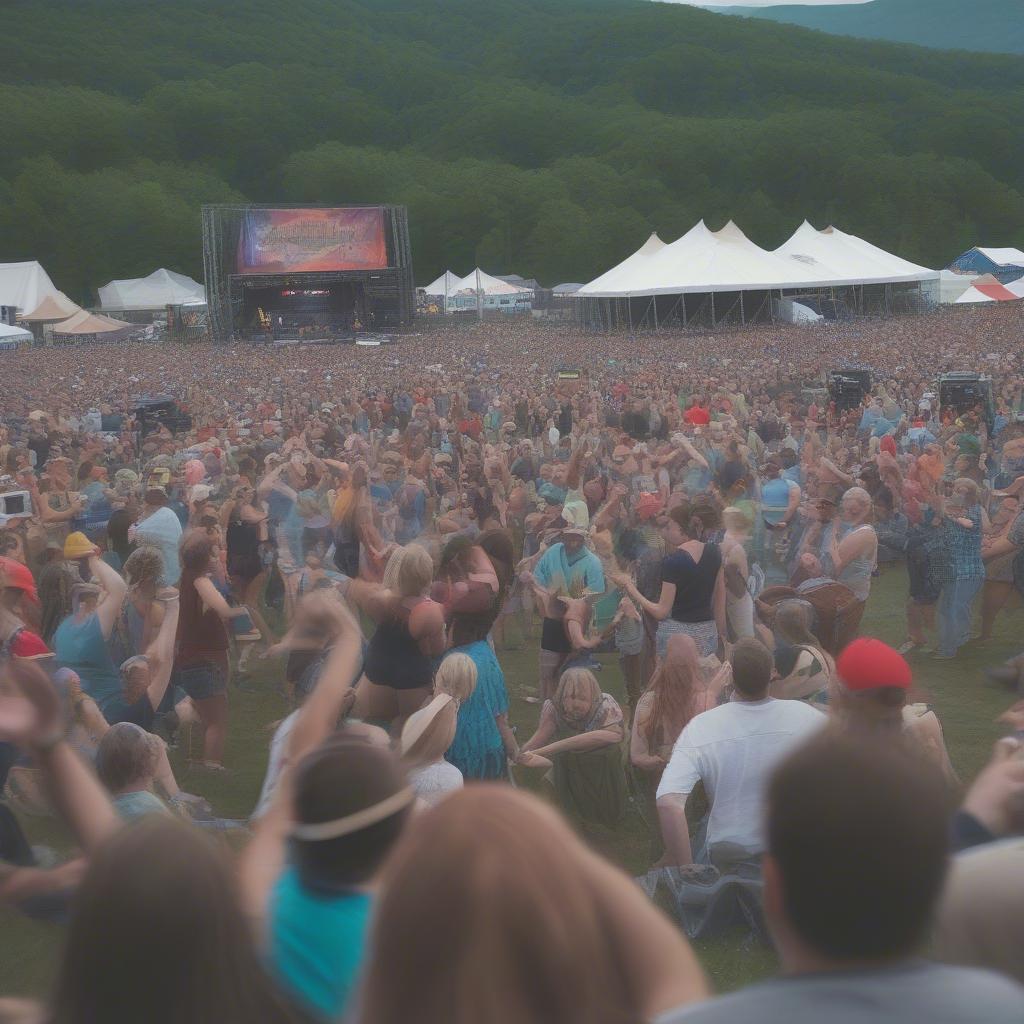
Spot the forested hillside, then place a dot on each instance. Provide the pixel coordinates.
(995, 26)
(545, 137)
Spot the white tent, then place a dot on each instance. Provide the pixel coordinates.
(1007, 257)
(624, 273)
(161, 288)
(478, 280)
(973, 295)
(26, 285)
(1017, 287)
(848, 259)
(13, 335)
(450, 285)
(952, 285)
(701, 261)
(790, 312)
(446, 284)
(727, 261)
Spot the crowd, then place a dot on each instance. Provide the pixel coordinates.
(375, 527)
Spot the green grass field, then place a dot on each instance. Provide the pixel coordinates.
(966, 704)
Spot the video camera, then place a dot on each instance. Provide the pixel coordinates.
(153, 412)
(15, 505)
(964, 391)
(848, 387)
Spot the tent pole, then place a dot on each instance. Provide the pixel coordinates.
(682, 303)
(743, 317)
(629, 312)
(654, 300)
(712, 309)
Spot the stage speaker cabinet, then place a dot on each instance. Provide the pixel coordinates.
(9, 315)
(848, 388)
(964, 391)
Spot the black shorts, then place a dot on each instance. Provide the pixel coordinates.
(202, 681)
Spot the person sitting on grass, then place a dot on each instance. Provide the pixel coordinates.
(579, 739)
(731, 749)
(872, 682)
(848, 919)
(678, 692)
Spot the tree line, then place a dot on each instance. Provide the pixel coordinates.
(544, 137)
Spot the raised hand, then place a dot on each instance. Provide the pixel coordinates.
(30, 707)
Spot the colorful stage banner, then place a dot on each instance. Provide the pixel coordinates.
(303, 241)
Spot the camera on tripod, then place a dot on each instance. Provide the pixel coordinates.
(964, 392)
(847, 387)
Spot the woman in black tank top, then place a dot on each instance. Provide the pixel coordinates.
(246, 539)
(410, 633)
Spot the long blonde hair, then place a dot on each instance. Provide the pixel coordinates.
(430, 745)
(456, 676)
(409, 571)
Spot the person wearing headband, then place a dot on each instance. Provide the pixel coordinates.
(351, 801)
(308, 875)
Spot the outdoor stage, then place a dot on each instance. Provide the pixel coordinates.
(293, 273)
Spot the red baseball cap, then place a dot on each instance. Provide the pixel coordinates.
(869, 664)
(18, 577)
(29, 647)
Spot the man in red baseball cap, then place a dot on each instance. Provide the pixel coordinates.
(874, 681)
(19, 599)
(18, 585)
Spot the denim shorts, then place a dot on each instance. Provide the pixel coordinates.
(201, 681)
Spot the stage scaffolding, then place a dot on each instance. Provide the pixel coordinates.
(388, 293)
(704, 310)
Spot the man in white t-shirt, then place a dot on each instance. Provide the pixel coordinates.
(732, 749)
(554, 436)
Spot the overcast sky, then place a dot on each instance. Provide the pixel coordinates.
(762, 3)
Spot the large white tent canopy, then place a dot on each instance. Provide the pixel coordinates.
(851, 260)
(161, 288)
(627, 272)
(26, 285)
(727, 261)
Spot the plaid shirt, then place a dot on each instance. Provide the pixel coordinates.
(965, 548)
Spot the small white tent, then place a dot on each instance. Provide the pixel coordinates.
(952, 285)
(25, 286)
(11, 337)
(159, 289)
(446, 284)
(478, 280)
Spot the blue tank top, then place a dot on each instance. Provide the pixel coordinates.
(774, 499)
(82, 647)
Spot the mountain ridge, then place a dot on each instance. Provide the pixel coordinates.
(978, 25)
(543, 137)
